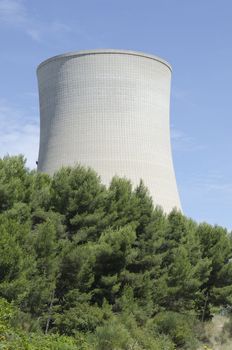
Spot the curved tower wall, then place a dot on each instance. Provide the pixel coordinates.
(109, 109)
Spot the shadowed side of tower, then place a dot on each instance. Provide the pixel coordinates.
(109, 109)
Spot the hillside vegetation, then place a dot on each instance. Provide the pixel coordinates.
(83, 266)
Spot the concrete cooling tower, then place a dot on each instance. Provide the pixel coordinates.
(109, 109)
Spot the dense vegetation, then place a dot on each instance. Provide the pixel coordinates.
(83, 266)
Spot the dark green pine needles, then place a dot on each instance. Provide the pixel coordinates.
(83, 266)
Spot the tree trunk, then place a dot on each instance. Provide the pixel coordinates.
(50, 312)
(205, 305)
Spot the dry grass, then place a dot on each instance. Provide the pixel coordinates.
(218, 338)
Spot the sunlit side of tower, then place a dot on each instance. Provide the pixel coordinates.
(109, 109)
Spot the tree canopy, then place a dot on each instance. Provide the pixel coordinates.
(85, 266)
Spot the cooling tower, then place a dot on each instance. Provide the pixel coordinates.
(109, 109)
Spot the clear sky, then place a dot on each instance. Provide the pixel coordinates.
(195, 36)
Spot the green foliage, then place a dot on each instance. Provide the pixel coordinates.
(83, 266)
(112, 335)
(14, 182)
(7, 314)
(82, 317)
(123, 333)
(217, 248)
(180, 328)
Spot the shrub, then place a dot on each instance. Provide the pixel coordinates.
(180, 328)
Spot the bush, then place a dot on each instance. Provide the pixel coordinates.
(81, 318)
(112, 336)
(180, 329)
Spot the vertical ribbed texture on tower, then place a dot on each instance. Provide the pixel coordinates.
(109, 109)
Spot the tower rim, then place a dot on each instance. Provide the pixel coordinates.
(104, 51)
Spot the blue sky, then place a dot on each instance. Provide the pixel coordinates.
(194, 36)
